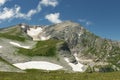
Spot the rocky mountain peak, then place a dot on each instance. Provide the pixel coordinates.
(65, 24)
(89, 49)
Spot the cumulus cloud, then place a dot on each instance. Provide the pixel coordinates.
(49, 2)
(28, 15)
(10, 13)
(6, 14)
(53, 17)
(2, 2)
(86, 22)
(15, 12)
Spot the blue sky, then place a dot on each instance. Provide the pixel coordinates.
(101, 17)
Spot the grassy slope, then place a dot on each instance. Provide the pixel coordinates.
(42, 48)
(13, 33)
(13, 37)
(58, 75)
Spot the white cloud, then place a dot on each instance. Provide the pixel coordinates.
(53, 17)
(49, 2)
(15, 12)
(31, 12)
(2, 2)
(86, 22)
(6, 14)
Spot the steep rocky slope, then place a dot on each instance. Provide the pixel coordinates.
(91, 49)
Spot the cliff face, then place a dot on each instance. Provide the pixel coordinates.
(68, 42)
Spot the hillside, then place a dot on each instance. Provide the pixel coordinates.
(67, 44)
(7, 67)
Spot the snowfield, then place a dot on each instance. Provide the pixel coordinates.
(1, 46)
(38, 65)
(18, 45)
(75, 67)
(34, 33)
(37, 34)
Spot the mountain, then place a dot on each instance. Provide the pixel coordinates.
(67, 46)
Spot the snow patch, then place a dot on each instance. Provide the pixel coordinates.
(37, 34)
(18, 45)
(75, 55)
(1, 46)
(75, 67)
(34, 31)
(38, 65)
(44, 38)
(79, 34)
(23, 26)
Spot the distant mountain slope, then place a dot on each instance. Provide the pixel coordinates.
(63, 40)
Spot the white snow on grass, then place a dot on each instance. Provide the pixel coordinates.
(38, 65)
(1, 46)
(75, 67)
(18, 45)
